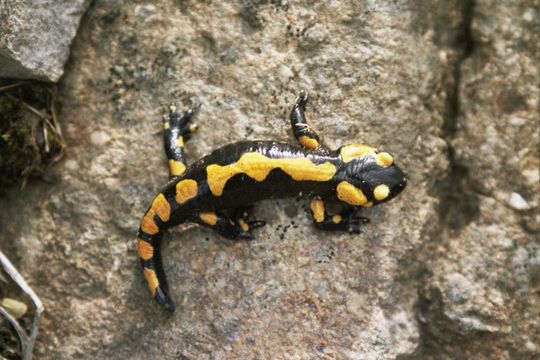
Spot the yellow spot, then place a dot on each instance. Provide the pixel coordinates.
(336, 219)
(351, 152)
(317, 208)
(381, 192)
(151, 280)
(209, 218)
(185, 190)
(166, 125)
(161, 207)
(384, 159)
(145, 250)
(307, 142)
(258, 166)
(172, 108)
(350, 194)
(243, 225)
(180, 141)
(176, 168)
(193, 128)
(368, 205)
(148, 225)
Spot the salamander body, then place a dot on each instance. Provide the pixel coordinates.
(237, 175)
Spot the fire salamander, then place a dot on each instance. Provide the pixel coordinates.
(237, 175)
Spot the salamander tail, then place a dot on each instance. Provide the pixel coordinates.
(148, 249)
(151, 230)
(163, 299)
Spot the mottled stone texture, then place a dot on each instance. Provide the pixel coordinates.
(448, 270)
(35, 36)
(483, 289)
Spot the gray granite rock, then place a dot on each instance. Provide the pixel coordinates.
(482, 297)
(411, 286)
(35, 37)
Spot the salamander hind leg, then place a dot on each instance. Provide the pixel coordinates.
(240, 226)
(305, 136)
(347, 220)
(177, 129)
(245, 223)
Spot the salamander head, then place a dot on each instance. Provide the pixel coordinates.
(369, 177)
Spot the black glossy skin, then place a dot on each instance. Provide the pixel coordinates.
(241, 190)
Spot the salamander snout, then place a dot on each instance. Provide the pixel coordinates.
(394, 178)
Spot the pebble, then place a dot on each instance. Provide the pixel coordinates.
(517, 202)
(99, 138)
(532, 176)
(285, 73)
(71, 165)
(144, 11)
(531, 346)
(517, 121)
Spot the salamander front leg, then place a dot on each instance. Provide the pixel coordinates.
(239, 227)
(176, 130)
(305, 136)
(347, 220)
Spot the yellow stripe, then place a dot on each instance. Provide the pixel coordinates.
(317, 208)
(180, 141)
(148, 225)
(384, 159)
(161, 207)
(307, 142)
(185, 190)
(258, 166)
(350, 194)
(354, 151)
(381, 192)
(176, 168)
(151, 280)
(336, 219)
(209, 218)
(145, 250)
(243, 225)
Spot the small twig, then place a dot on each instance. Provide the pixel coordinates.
(47, 119)
(45, 139)
(10, 86)
(34, 110)
(53, 115)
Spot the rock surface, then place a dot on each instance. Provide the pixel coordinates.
(35, 37)
(484, 285)
(446, 268)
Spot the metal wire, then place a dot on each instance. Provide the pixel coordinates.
(27, 340)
